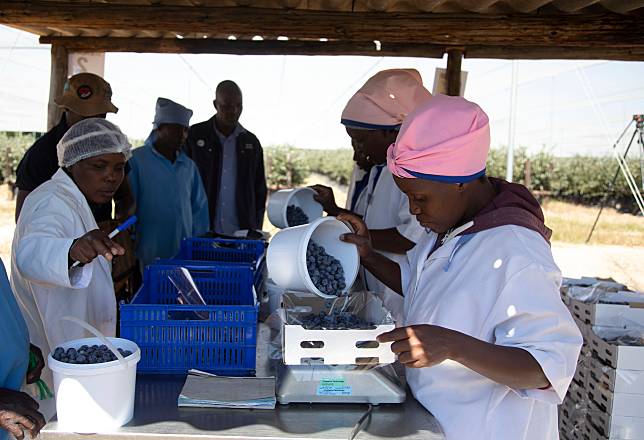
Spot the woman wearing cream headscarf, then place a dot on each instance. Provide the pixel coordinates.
(372, 118)
(489, 347)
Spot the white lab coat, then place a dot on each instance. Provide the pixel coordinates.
(53, 216)
(501, 286)
(383, 206)
(356, 174)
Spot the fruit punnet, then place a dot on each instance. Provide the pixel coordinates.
(335, 321)
(325, 271)
(295, 216)
(87, 354)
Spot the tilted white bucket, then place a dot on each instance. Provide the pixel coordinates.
(94, 398)
(280, 200)
(286, 256)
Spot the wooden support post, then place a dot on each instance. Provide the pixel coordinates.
(56, 83)
(454, 60)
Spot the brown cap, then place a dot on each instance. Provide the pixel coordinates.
(88, 95)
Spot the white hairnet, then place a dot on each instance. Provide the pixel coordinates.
(89, 138)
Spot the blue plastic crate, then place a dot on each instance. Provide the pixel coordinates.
(219, 284)
(174, 338)
(258, 270)
(222, 250)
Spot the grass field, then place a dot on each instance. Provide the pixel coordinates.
(572, 223)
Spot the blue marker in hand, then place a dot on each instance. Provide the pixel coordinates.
(120, 228)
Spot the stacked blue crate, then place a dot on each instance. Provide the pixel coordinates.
(220, 337)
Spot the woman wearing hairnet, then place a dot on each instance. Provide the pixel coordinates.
(56, 228)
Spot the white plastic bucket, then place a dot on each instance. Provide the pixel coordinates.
(280, 200)
(94, 398)
(286, 256)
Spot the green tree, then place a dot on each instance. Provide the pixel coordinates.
(285, 166)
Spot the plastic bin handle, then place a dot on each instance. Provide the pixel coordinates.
(100, 336)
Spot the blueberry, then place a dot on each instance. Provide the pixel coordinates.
(295, 216)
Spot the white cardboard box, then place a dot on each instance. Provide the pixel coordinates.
(617, 404)
(615, 380)
(607, 315)
(338, 347)
(623, 357)
(615, 427)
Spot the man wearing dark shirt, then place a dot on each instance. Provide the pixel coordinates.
(85, 95)
(230, 160)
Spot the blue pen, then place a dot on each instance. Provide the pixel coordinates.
(120, 228)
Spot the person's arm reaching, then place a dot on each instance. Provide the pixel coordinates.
(425, 345)
(390, 240)
(387, 271)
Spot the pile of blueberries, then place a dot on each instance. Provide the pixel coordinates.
(335, 321)
(87, 354)
(295, 216)
(325, 271)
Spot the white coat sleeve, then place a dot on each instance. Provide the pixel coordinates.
(529, 314)
(42, 252)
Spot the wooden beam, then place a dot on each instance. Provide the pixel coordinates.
(454, 60)
(243, 47)
(59, 61)
(297, 47)
(635, 53)
(516, 30)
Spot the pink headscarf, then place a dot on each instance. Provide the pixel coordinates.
(385, 100)
(446, 139)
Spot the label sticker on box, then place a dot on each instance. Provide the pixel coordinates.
(336, 386)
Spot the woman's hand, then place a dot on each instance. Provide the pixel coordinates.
(326, 198)
(93, 244)
(19, 413)
(33, 374)
(360, 237)
(423, 345)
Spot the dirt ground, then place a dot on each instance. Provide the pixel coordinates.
(623, 263)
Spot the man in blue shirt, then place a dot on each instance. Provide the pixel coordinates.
(171, 203)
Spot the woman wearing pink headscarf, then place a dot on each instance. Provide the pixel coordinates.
(372, 118)
(489, 347)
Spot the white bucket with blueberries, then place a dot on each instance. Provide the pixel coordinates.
(293, 207)
(94, 386)
(312, 258)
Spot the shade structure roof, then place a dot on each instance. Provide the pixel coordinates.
(606, 29)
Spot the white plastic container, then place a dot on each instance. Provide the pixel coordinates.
(94, 398)
(280, 200)
(286, 256)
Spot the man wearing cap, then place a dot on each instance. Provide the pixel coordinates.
(230, 160)
(85, 95)
(171, 203)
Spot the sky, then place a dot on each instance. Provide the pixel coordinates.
(565, 107)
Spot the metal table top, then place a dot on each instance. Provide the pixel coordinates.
(156, 416)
